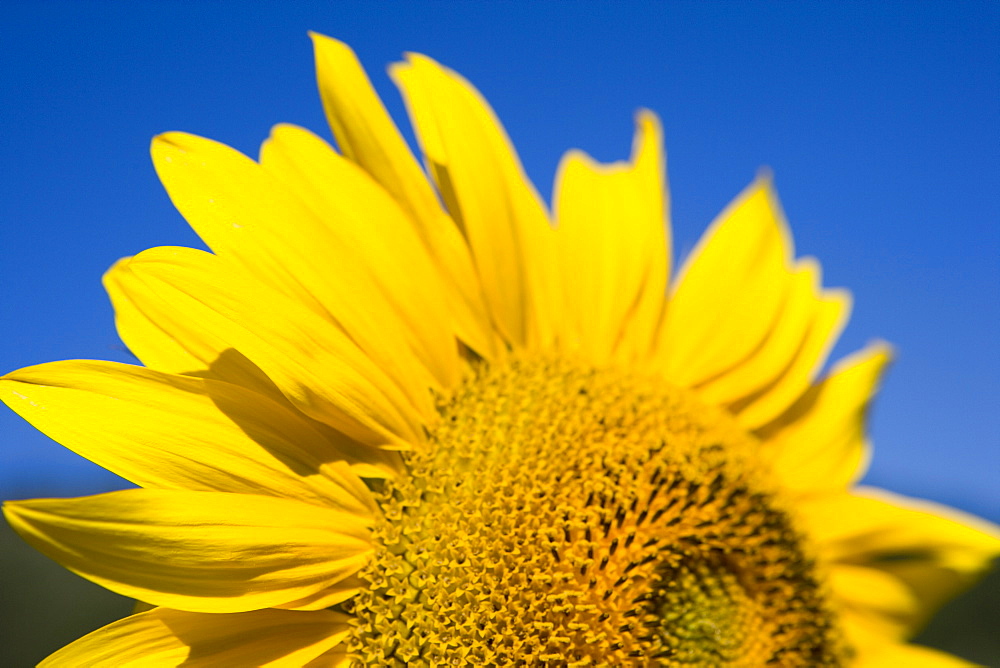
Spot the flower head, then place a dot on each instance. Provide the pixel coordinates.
(400, 420)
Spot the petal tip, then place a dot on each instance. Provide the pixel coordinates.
(320, 40)
(647, 122)
(764, 178)
(882, 349)
(171, 138)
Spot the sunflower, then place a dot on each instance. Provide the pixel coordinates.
(392, 420)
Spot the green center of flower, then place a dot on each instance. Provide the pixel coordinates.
(571, 517)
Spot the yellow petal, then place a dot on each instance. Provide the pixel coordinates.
(781, 369)
(163, 637)
(934, 551)
(820, 443)
(177, 432)
(196, 551)
(729, 292)
(746, 327)
(366, 220)
(366, 135)
(142, 606)
(907, 656)
(875, 649)
(318, 367)
(364, 131)
(872, 598)
(167, 341)
(485, 189)
(330, 596)
(145, 336)
(249, 217)
(612, 241)
(338, 657)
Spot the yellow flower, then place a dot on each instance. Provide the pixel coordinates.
(399, 421)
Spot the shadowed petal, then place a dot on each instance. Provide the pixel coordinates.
(315, 364)
(933, 551)
(248, 217)
(370, 225)
(179, 432)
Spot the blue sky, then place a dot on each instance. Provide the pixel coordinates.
(880, 123)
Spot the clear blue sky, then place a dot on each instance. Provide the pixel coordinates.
(881, 122)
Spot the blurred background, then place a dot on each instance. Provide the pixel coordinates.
(880, 121)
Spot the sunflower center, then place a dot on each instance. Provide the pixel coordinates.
(566, 516)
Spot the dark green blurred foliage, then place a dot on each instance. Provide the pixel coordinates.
(43, 607)
(969, 626)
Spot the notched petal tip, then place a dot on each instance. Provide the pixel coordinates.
(576, 159)
(648, 133)
(647, 143)
(417, 59)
